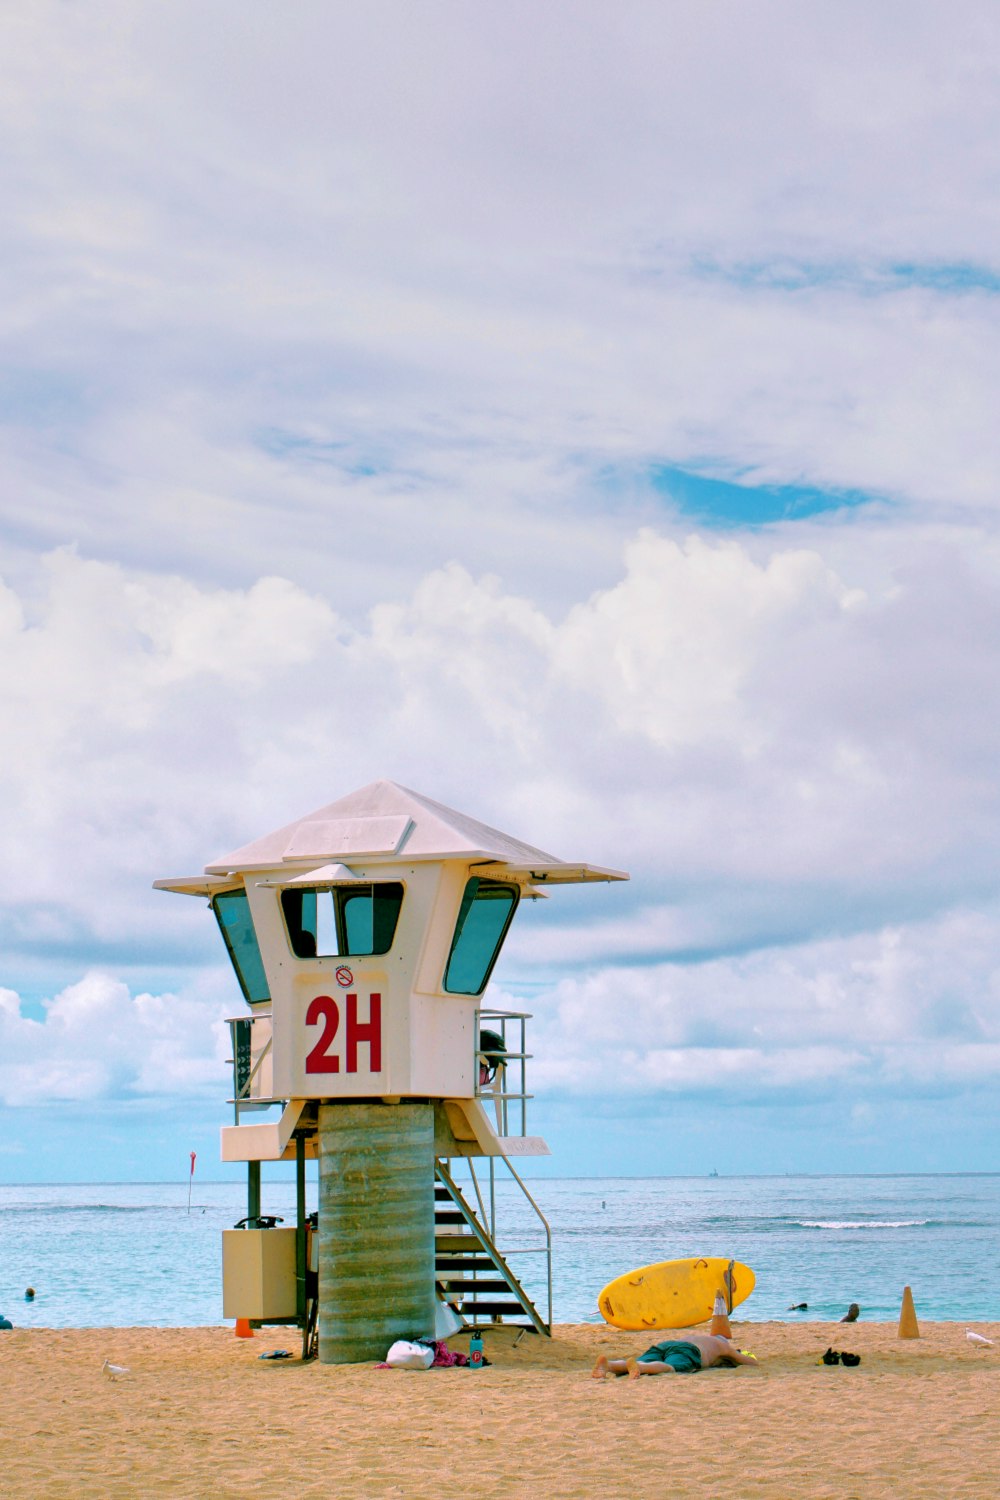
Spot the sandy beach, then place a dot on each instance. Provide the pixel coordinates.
(201, 1415)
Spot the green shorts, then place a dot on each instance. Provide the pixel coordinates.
(684, 1358)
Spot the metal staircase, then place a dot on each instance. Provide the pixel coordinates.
(470, 1265)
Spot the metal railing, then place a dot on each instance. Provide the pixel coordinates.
(246, 1071)
(508, 1086)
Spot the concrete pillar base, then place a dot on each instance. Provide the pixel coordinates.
(376, 1228)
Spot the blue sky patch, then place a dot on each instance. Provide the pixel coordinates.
(723, 503)
(945, 276)
(878, 278)
(281, 443)
(41, 398)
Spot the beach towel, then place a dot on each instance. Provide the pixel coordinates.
(443, 1356)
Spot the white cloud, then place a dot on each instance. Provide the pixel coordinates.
(98, 1041)
(898, 1011)
(670, 648)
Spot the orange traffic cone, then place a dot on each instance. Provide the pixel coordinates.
(720, 1318)
(907, 1317)
(243, 1329)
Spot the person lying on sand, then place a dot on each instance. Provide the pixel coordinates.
(696, 1351)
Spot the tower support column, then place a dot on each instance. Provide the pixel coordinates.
(376, 1228)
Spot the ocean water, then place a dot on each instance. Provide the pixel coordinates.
(105, 1255)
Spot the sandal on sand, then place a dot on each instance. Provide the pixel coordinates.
(850, 1359)
(831, 1357)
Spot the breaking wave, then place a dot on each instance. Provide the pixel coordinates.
(862, 1223)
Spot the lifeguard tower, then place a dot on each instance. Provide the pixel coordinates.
(363, 936)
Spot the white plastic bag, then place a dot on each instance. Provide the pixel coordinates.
(406, 1356)
(446, 1320)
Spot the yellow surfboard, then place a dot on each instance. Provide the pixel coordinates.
(674, 1293)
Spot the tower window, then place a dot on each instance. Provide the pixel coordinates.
(232, 912)
(342, 921)
(483, 918)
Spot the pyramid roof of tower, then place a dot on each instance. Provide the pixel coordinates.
(385, 821)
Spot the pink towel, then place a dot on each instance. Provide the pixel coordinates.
(444, 1356)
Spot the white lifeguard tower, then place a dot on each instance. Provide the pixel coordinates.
(363, 936)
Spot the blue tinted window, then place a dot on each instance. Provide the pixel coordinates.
(232, 910)
(342, 921)
(483, 919)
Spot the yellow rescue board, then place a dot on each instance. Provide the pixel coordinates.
(674, 1293)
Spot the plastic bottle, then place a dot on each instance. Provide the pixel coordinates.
(476, 1352)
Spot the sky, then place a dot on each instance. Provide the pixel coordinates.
(582, 414)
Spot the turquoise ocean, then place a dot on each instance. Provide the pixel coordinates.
(105, 1255)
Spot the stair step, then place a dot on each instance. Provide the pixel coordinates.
(471, 1268)
(469, 1287)
(507, 1323)
(494, 1306)
(487, 1323)
(451, 1266)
